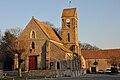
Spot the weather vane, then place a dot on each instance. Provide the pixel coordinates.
(69, 4)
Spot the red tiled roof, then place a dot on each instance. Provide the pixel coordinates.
(100, 54)
(48, 30)
(62, 47)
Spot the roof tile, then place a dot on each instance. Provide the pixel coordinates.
(48, 30)
(100, 54)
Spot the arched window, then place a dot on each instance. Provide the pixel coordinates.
(33, 34)
(33, 45)
(68, 37)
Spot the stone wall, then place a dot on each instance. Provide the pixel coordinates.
(11, 73)
(55, 73)
(46, 73)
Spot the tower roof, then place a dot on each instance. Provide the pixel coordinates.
(69, 12)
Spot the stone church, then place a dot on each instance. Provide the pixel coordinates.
(45, 49)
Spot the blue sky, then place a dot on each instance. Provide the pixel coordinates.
(99, 20)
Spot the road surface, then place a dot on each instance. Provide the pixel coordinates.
(87, 77)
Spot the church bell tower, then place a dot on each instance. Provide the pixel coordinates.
(70, 29)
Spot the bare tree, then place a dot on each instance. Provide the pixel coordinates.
(86, 46)
(114, 61)
(15, 31)
(48, 23)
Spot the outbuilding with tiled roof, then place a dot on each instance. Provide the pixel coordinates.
(101, 57)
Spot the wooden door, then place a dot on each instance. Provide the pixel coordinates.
(32, 62)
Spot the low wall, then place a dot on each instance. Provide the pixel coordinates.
(54, 73)
(11, 73)
(47, 73)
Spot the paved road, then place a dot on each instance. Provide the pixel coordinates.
(87, 77)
